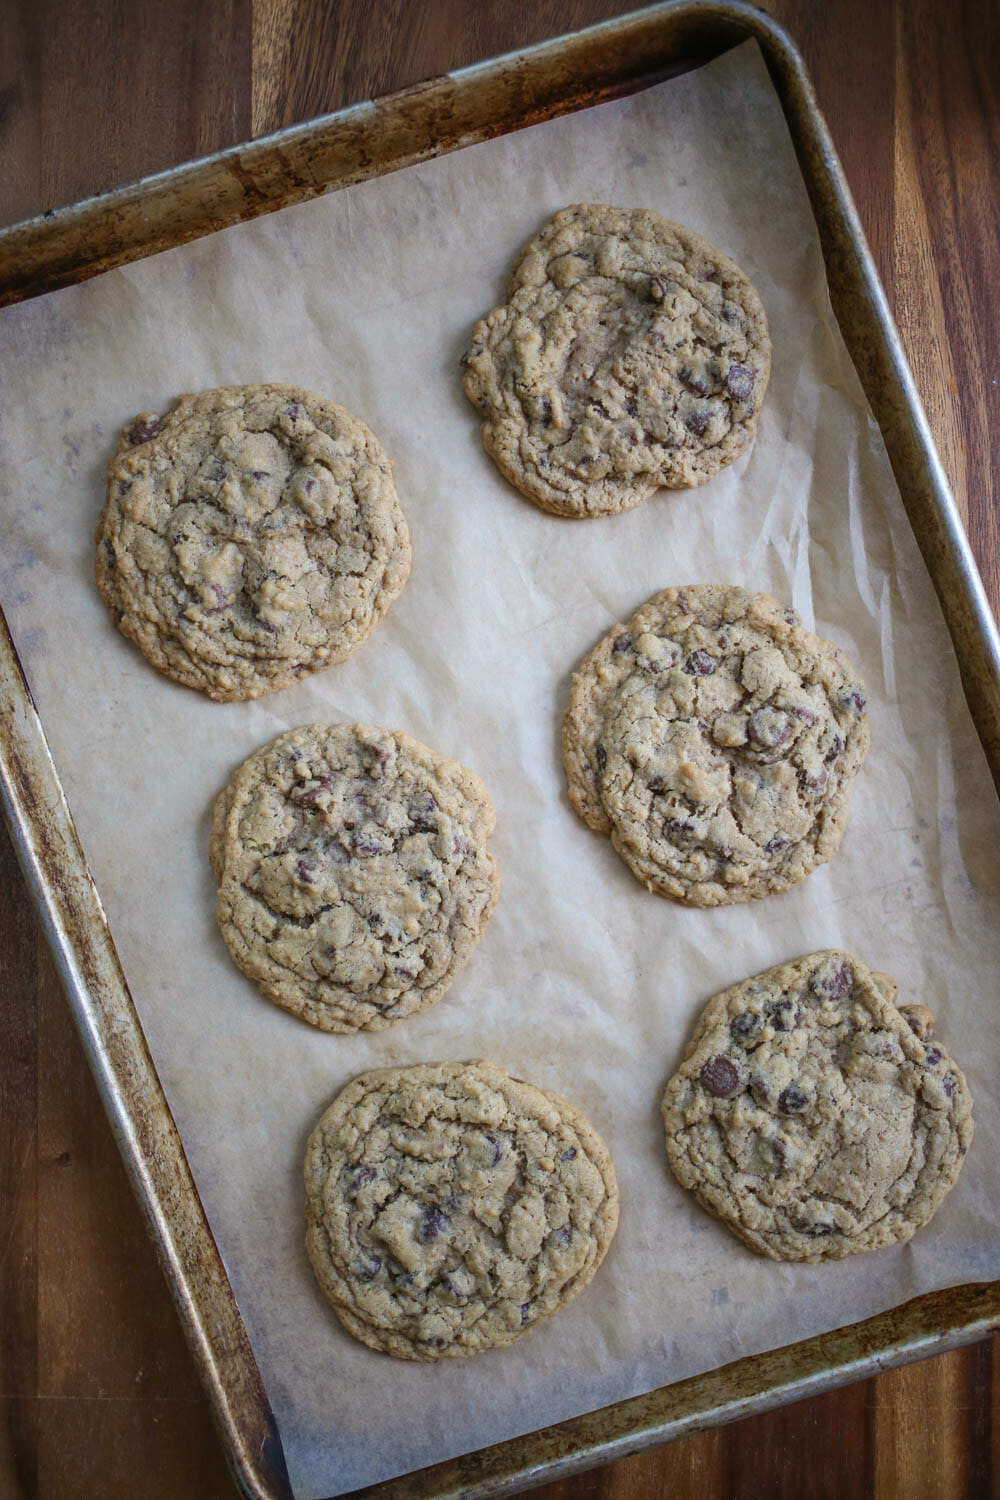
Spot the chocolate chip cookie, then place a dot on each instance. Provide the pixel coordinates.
(249, 537)
(354, 879)
(716, 741)
(813, 1116)
(451, 1207)
(630, 354)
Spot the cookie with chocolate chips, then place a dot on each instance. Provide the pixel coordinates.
(354, 877)
(249, 537)
(630, 355)
(717, 742)
(450, 1207)
(814, 1116)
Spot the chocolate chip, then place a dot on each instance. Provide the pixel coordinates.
(364, 846)
(696, 422)
(769, 728)
(421, 811)
(949, 1084)
(497, 1149)
(221, 597)
(836, 985)
(731, 313)
(109, 553)
(264, 624)
(720, 1077)
(792, 1101)
(739, 382)
(699, 664)
(854, 700)
(791, 618)
(696, 380)
(295, 410)
(632, 407)
(785, 1015)
(779, 1149)
(374, 921)
(814, 780)
(143, 429)
(432, 1223)
(564, 1235)
(362, 1177)
(813, 1228)
(622, 643)
(836, 746)
(747, 1026)
(658, 286)
(218, 472)
(370, 1269)
(311, 485)
(302, 870)
(775, 845)
(525, 1313)
(547, 412)
(602, 757)
(600, 408)
(656, 783)
(933, 1056)
(568, 1155)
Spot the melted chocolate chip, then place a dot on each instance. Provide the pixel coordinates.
(720, 1077)
(364, 846)
(739, 382)
(547, 412)
(836, 746)
(302, 870)
(432, 1223)
(295, 410)
(775, 845)
(814, 780)
(747, 1026)
(814, 1229)
(837, 985)
(699, 664)
(949, 1084)
(370, 1270)
(696, 422)
(792, 1101)
(785, 1015)
(602, 757)
(933, 1056)
(362, 1177)
(854, 700)
(696, 380)
(497, 1148)
(143, 429)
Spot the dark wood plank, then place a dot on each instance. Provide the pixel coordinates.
(100, 1398)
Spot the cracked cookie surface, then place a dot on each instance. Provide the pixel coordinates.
(630, 355)
(354, 879)
(717, 742)
(249, 537)
(451, 1207)
(813, 1116)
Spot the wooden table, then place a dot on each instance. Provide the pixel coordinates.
(99, 1395)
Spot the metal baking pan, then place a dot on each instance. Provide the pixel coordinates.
(444, 114)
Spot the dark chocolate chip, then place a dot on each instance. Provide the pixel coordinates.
(720, 1077)
(696, 422)
(739, 382)
(815, 1229)
(853, 699)
(699, 664)
(364, 846)
(949, 1084)
(747, 1026)
(260, 473)
(696, 380)
(656, 783)
(362, 1177)
(143, 429)
(792, 1101)
(775, 845)
(371, 1268)
(497, 1148)
(814, 780)
(564, 1235)
(622, 643)
(295, 410)
(547, 412)
(836, 746)
(602, 757)
(785, 1015)
(600, 408)
(632, 407)
(525, 1313)
(302, 870)
(569, 1154)
(837, 985)
(933, 1056)
(432, 1223)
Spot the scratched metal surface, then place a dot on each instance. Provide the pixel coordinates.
(364, 141)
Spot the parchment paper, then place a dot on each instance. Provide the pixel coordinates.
(584, 983)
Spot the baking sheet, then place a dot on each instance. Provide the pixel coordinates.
(583, 983)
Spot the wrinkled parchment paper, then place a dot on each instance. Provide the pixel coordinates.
(583, 983)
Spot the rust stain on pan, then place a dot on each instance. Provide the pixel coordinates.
(369, 140)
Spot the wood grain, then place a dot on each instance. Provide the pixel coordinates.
(98, 1392)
